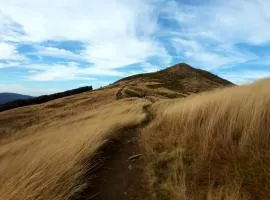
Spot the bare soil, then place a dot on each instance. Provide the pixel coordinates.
(119, 177)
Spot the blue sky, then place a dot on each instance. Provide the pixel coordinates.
(55, 45)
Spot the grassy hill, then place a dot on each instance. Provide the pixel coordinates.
(214, 145)
(179, 80)
(180, 133)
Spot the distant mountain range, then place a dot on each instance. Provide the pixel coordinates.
(24, 100)
(7, 97)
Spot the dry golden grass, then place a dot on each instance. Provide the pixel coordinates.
(213, 146)
(46, 150)
(49, 162)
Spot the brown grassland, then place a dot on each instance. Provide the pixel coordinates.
(49, 163)
(214, 145)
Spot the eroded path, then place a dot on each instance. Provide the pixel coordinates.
(121, 176)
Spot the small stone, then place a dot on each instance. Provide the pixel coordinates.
(130, 167)
(134, 157)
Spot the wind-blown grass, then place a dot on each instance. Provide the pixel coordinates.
(214, 145)
(50, 163)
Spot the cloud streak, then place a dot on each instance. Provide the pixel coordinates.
(8, 52)
(114, 34)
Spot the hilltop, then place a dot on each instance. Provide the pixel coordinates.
(179, 80)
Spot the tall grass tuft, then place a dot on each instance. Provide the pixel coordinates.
(213, 146)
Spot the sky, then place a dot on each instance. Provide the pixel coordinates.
(48, 46)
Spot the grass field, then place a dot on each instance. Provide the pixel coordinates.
(213, 145)
(51, 163)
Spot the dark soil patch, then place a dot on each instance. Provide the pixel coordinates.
(119, 177)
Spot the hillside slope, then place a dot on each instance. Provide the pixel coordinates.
(85, 146)
(212, 146)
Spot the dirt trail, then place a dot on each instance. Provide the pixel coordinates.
(120, 177)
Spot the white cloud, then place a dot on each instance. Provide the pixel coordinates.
(8, 64)
(246, 76)
(231, 21)
(115, 33)
(55, 52)
(66, 71)
(123, 52)
(33, 91)
(148, 67)
(56, 73)
(86, 20)
(8, 52)
(119, 33)
(200, 54)
(207, 35)
(9, 30)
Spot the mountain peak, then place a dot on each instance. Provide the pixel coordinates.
(178, 81)
(180, 66)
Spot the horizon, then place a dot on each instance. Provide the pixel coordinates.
(48, 47)
(115, 82)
